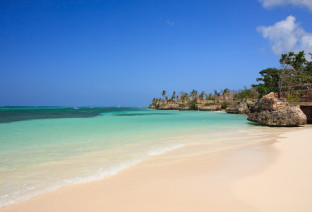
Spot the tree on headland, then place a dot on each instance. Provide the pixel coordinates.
(163, 93)
(193, 94)
(173, 96)
(292, 71)
(183, 96)
(296, 62)
(246, 93)
(295, 71)
(225, 93)
(297, 66)
(268, 81)
(201, 95)
(216, 95)
(210, 96)
(292, 81)
(309, 66)
(155, 102)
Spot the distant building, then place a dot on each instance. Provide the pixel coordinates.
(199, 100)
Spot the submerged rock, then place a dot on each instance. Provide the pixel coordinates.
(274, 112)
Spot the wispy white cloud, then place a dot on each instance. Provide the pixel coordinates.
(287, 35)
(170, 23)
(274, 3)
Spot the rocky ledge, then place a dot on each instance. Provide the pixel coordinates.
(238, 108)
(271, 111)
(175, 106)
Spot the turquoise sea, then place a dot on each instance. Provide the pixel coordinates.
(45, 148)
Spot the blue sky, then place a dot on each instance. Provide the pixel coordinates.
(106, 53)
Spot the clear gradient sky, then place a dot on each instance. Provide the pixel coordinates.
(106, 53)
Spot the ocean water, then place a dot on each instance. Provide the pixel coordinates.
(45, 148)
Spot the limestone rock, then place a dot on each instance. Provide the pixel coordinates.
(166, 106)
(213, 107)
(243, 108)
(238, 108)
(269, 102)
(289, 116)
(232, 108)
(274, 112)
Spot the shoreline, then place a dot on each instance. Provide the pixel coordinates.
(169, 182)
(23, 184)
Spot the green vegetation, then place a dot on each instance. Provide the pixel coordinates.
(163, 94)
(295, 71)
(224, 105)
(210, 103)
(294, 76)
(246, 94)
(173, 97)
(192, 104)
(269, 81)
(201, 95)
(293, 99)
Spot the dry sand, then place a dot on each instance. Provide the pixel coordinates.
(262, 177)
(286, 184)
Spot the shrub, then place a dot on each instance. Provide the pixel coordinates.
(293, 99)
(192, 104)
(209, 103)
(224, 105)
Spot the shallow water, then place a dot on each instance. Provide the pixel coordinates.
(44, 148)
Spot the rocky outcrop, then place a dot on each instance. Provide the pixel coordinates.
(185, 106)
(172, 106)
(238, 108)
(165, 106)
(232, 108)
(213, 107)
(274, 112)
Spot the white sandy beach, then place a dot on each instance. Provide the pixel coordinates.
(267, 177)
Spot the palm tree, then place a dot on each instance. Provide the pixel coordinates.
(201, 95)
(183, 96)
(216, 95)
(173, 96)
(163, 93)
(225, 93)
(209, 96)
(193, 94)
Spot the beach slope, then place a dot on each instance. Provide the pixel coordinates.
(272, 176)
(285, 185)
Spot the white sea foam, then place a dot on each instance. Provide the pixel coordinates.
(103, 173)
(163, 150)
(31, 191)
